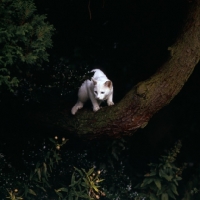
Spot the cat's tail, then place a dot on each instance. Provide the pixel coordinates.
(95, 70)
(98, 73)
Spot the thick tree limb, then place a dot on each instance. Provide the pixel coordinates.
(147, 97)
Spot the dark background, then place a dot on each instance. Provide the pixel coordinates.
(128, 40)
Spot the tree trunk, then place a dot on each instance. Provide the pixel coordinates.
(147, 97)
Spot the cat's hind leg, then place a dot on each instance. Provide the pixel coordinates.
(82, 98)
(76, 107)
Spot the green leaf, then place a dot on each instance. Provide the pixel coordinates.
(175, 181)
(44, 181)
(86, 181)
(70, 197)
(51, 162)
(158, 183)
(173, 188)
(37, 166)
(84, 171)
(52, 140)
(79, 171)
(40, 187)
(168, 165)
(163, 190)
(84, 184)
(95, 188)
(146, 181)
(153, 187)
(164, 196)
(79, 186)
(39, 173)
(115, 155)
(90, 171)
(72, 179)
(170, 193)
(153, 173)
(164, 175)
(153, 197)
(138, 186)
(31, 192)
(59, 194)
(178, 178)
(26, 190)
(19, 198)
(31, 175)
(62, 189)
(45, 170)
(100, 180)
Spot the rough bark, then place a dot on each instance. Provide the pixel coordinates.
(147, 97)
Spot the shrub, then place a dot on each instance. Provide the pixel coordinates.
(24, 39)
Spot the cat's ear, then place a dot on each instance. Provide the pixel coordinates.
(94, 82)
(108, 84)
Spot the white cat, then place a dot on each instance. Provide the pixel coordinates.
(98, 89)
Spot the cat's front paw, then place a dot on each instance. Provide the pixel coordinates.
(96, 108)
(110, 103)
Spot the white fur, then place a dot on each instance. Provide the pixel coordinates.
(98, 89)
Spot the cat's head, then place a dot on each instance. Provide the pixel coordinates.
(102, 89)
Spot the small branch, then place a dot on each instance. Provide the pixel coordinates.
(143, 100)
(89, 10)
(103, 4)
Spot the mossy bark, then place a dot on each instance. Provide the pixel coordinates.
(147, 97)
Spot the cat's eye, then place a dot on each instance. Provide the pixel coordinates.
(95, 92)
(102, 92)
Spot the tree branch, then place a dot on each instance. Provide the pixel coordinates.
(147, 97)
